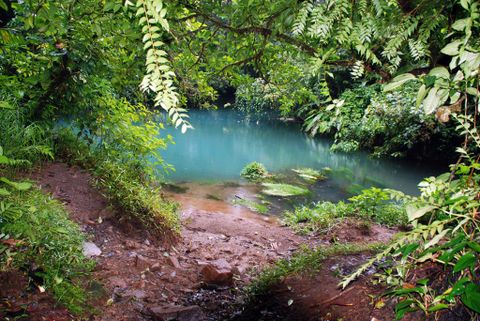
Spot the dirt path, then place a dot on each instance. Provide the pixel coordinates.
(142, 278)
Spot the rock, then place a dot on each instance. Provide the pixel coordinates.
(178, 313)
(130, 245)
(218, 272)
(174, 262)
(156, 267)
(136, 294)
(90, 249)
(118, 282)
(141, 262)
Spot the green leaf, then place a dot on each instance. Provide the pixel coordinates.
(398, 81)
(474, 246)
(452, 49)
(436, 238)
(464, 4)
(432, 102)
(437, 307)
(422, 92)
(4, 160)
(471, 297)
(467, 260)
(460, 24)
(415, 213)
(4, 192)
(20, 186)
(440, 72)
(6, 105)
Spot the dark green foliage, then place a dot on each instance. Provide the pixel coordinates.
(24, 143)
(47, 243)
(307, 260)
(386, 124)
(445, 232)
(372, 205)
(125, 184)
(254, 172)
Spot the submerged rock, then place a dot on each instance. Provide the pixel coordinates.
(90, 249)
(218, 272)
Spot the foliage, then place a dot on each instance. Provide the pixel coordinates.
(254, 172)
(445, 216)
(309, 174)
(124, 185)
(445, 232)
(371, 204)
(261, 208)
(159, 78)
(120, 130)
(376, 204)
(304, 261)
(37, 235)
(388, 124)
(23, 143)
(256, 98)
(460, 80)
(283, 190)
(320, 218)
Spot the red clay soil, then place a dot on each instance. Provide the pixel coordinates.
(137, 274)
(20, 300)
(318, 297)
(139, 280)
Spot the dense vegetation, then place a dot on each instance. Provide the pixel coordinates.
(394, 77)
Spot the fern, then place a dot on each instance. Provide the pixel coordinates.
(159, 77)
(301, 19)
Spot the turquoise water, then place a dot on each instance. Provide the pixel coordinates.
(223, 142)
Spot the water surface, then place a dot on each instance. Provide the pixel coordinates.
(224, 141)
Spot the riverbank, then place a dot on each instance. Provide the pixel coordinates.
(205, 274)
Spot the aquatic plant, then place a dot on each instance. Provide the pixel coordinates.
(309, 174)
(254, 172)
(372, 205)
(261, 208)
(283, 190)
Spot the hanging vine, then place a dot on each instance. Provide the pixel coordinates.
(159, 77)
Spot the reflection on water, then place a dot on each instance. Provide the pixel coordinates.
(223, 142)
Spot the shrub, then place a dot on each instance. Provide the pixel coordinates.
(125, 184)
(254, 172)
(445, 234)
(45, 242)
(386, 124)
(26, 143)
(371, 204)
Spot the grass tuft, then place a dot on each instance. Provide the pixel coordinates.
(47, 243)
(307, 260)
(125, 185)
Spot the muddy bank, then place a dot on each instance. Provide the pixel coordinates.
(136, 276)
(204, 275)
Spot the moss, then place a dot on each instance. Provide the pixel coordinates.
(213, 197)
(254, 172)
(175, 188)
(252, 205)
(309, 174)
(284, 190)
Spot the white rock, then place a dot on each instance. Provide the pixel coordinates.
(90, 249)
